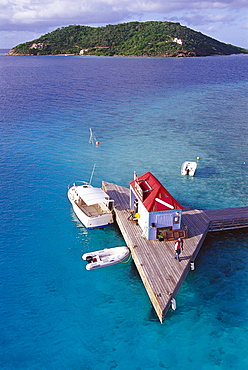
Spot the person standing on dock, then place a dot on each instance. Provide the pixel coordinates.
(178, 248)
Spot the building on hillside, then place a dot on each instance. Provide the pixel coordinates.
(82, 51)
(156, 211)
(179, 41)
(38, 45)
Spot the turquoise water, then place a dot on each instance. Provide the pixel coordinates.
(149, 115)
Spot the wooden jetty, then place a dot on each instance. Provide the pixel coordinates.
(162, 275)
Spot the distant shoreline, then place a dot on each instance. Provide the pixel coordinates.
(120, 56)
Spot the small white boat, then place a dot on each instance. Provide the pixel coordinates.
(105, 257)
(188, 168)
(92, 206)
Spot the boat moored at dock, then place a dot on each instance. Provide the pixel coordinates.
(105, 257)
(92, 205)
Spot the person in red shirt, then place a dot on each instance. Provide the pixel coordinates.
(178, 248)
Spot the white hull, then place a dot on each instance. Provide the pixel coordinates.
(188, 168)
(105, 257)
(89, 212)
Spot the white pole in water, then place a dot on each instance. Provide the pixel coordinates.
(92, 138)
(173, 304)
(92, 173)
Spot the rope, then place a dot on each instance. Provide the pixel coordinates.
(130, 256)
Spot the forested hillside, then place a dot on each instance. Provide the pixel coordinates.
(132, 39)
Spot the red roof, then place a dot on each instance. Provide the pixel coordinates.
(153, 195)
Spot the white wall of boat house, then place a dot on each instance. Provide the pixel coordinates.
(151, 221)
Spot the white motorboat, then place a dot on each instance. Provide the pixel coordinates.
(92, 205)
(188, 168)
(105, 257)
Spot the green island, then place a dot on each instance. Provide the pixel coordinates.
(152, 39)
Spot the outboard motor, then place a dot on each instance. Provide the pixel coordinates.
(89, 259)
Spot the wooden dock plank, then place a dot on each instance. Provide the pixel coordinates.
(161, 274)
(227, 213)
(227, 218)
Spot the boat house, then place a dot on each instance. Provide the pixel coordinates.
(155, 210)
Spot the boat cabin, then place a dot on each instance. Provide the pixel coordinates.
(155, 210)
